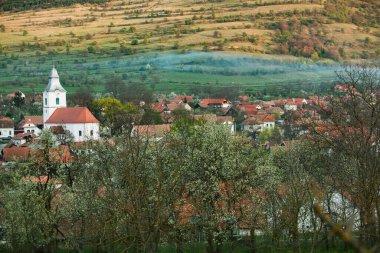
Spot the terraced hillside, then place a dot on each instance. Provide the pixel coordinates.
(316, 29)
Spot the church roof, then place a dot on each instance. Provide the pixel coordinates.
(72, 115)
(54, 83)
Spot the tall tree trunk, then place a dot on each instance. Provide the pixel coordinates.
(210, 246)
(253, 241)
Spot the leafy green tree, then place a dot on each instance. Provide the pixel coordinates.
(151, 117)
(117, 118)
(18, 99)
(34, 210)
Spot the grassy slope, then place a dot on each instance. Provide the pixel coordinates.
(157, 22)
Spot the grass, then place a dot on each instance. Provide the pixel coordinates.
(180, 73)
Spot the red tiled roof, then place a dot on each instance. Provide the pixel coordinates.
(35, 120)
(276, 110)
(6, 122)
(157, 107)
(15, 153)
(224, 119)
(207, 117)
(60, 154)
(72, 115)
(189, 99)
(208, 101)
(151, 130)
(248, 109)
(258, 119)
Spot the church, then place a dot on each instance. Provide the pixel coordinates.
(78, 120)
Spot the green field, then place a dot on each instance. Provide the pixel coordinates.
(169, 72)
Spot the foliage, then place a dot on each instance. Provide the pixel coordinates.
(9, 5)
(272, 135)
(116, 117)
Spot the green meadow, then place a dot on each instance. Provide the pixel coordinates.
(182, 73)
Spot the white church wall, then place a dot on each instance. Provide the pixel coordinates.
(80, 131)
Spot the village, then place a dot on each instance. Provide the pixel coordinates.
(257, 168)
(244, 115)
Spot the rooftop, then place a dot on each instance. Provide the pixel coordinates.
(72, 115)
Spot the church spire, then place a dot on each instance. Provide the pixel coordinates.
(54, 83)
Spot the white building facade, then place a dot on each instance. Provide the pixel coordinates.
(78, 120)
(80, 131)
(54, 95)
(6, 133)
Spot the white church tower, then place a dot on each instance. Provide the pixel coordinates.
(54, 95)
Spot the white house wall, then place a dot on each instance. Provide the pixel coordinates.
(33, 129)
(6, 132)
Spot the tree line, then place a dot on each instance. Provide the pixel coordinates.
(9, 5)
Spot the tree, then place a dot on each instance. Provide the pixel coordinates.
(272, 135)
(137, 92)
(117, 118)
(115, 86)
(350, 133)
(33, 209)
(150, 117)
(82, 97)
(216, 165)
(18, 99)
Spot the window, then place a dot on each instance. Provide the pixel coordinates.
(45, 101)
(80, 133)
(57, 101)
(0, 132)
(28, 131)
(33, 131)
(92, 132)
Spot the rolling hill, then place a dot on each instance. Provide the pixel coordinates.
(86, 33)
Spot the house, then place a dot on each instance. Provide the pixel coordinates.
(258, 122)
(155, 132)
(78, 120)
(13, 94)
(31, 124)
(6, 127)
(228, 121)
(181, 106)
(220, 120)
(248, 109)
(275, 110)
(293, 104)
(22, 138)
(212, 103)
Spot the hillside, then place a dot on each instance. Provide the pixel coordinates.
(335, 29)
(84, 39)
